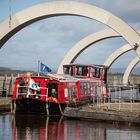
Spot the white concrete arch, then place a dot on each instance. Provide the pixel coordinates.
(129, 68)
(108, 62)
(85, 43)
(46, 10)
(120, 51)
(95, 37)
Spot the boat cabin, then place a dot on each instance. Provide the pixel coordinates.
(86, 71)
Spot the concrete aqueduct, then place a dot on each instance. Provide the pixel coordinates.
(51, 9)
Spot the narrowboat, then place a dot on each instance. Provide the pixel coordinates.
(50, 93)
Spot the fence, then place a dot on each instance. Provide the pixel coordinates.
(6, 85)
(120, 97)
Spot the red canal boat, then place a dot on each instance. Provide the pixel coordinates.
(51, 93)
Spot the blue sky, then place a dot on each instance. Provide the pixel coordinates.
(49, 40)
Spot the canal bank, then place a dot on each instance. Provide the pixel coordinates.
(5, 104)
(107, 112)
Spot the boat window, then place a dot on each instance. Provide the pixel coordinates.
(72, 92)
(68, 70)
(85, 71)
(82, 70)
(71, 71)
(83, 88)
(92, 72)
(78, 70)
(97, 72)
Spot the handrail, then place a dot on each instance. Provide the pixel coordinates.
(27, 93)
(29, 87)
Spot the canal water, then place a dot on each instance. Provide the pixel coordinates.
(43, 128)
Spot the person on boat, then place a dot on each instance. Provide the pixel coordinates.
(33, 88)
(53, 96)
(22, 85)
(54, 93)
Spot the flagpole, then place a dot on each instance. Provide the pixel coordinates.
(38, 66)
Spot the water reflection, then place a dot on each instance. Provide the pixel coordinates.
(37, 128)
(43, 128)
(29, 127)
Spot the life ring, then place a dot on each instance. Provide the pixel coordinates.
(52, 99)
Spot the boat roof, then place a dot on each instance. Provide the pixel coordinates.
(61, 77)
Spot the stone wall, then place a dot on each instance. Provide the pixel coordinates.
(117, 79)
(6, 84)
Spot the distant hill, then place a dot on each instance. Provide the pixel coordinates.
(4, 69)
(8, 71)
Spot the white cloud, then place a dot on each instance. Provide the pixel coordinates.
(50, 39)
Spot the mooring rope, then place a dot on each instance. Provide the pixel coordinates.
(62, 113)
(47, 109)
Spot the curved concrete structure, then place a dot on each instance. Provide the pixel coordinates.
(79, 47)
(130, 67)
(95, 37)
(46, 10)
(116, 54)
(91, 39)
(42, 11)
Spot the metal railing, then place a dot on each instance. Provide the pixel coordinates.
(26, 92)
(120, 97)
(3, 92)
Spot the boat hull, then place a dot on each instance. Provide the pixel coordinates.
(35, 106)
